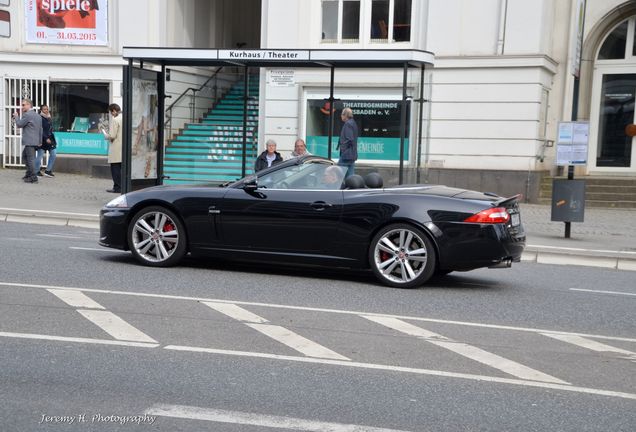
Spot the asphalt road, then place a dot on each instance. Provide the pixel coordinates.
(89, 337)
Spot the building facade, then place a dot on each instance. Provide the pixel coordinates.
(504, 78)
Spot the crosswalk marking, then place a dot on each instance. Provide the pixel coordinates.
(297, 342)
(236, 312)
(258, 420)
(115, 326)
(76, 299)
(469, 351)
(278, 333)
(589, 344)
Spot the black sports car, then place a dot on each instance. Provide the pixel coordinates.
(302, 211)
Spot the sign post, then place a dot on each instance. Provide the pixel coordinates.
(568, 196)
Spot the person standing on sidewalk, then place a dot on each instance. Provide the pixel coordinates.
(48, 144)
(348, 143)
(31, 124)
(114, 135)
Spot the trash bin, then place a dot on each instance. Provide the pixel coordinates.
(568, 200)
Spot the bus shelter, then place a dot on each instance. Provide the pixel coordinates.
(150, 66)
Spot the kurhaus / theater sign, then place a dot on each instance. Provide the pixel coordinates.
(263, 55)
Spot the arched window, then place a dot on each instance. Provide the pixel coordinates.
(620, 43)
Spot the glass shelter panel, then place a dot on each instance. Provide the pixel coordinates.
(378, 124)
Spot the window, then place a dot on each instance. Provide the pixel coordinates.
(391, 20)
(79, 106)
(613, 47)
(340, 21)
(378, 120)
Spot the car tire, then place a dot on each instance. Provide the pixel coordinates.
(402, 256)
(156, 237)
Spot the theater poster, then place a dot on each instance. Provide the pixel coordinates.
(68, 22)
(145, 120)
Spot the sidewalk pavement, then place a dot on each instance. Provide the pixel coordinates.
(607, 238)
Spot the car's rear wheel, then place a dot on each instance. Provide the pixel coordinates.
(157, 237)
(402, 256)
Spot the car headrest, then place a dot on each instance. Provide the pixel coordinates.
(354, 181)
(373, 180)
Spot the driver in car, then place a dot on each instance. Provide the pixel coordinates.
(332, 177)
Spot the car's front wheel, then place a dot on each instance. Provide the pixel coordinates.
(156, 237)
(402, 256)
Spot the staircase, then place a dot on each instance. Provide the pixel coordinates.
(612, 192)
(211, 151)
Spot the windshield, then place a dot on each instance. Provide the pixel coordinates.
(312, 174)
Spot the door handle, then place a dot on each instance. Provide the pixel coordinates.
(320, 205)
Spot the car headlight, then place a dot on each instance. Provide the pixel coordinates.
(120, 202)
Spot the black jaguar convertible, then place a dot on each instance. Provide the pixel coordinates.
(303, 212)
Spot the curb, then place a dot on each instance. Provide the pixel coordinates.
(580, 257)
(43, 217)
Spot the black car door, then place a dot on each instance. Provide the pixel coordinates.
(283, 220)
(291, 210)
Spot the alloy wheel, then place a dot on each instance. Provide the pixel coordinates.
(400, 256)
(155, 236)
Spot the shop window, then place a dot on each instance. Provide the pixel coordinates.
(81, 107)
(378, 124)
(613, 47)
(340, 21)
(391, 20)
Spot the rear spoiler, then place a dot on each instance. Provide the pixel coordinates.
(504, 202)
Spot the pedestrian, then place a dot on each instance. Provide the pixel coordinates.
(300, 149)
(48, 144)
(31, 124)
(114, 135)
(269, 157)
(348, 143)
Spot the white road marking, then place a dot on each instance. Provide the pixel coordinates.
(279, 334)
(297, 342)
(589, 344)
(388, 368)
(313, 309)
(236, 312)
(76, 299)
(115, 326)
(603, 292)
(468, 351)
(64, 236)
(97, 249)
(77, 340)
(259, 420)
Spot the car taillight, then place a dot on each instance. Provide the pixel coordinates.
(490, 216)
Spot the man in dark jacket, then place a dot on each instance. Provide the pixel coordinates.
(31, 124)
(348, 143)
(269, 157)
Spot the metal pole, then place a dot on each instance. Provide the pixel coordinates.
(126, 162)
(331, 111)
(245, 96)
(575, 111)
(161, 104)
(403, 123)
(419, 127)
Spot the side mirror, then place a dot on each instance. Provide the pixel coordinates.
(250, 183)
